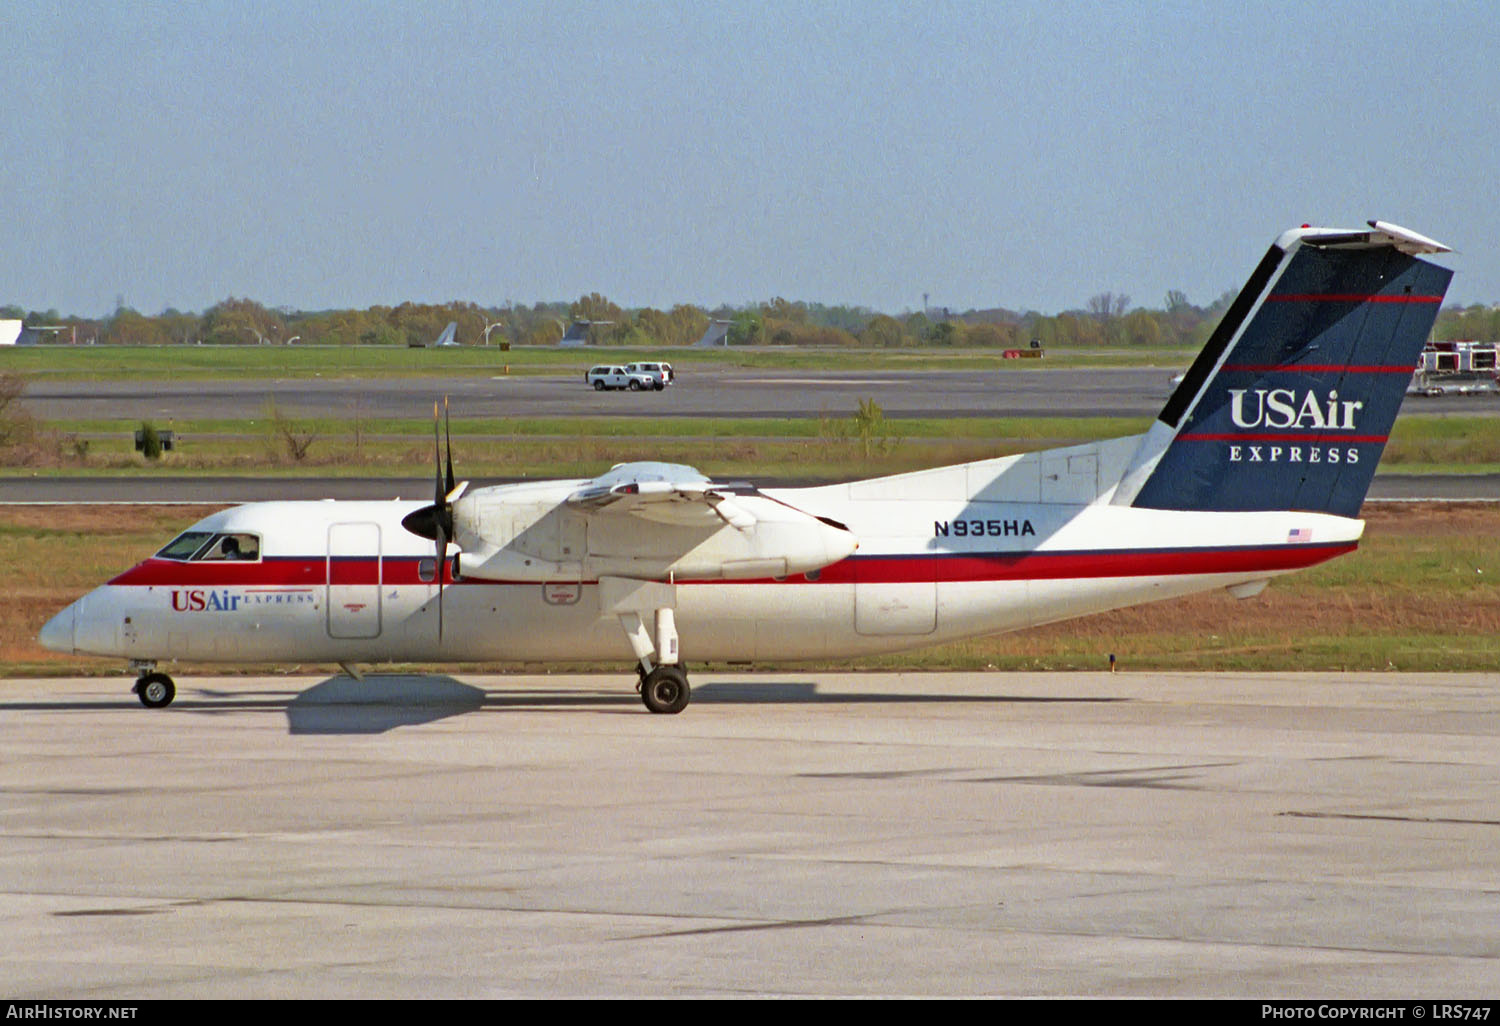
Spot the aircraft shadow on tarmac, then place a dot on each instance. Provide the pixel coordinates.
(383, 702)
(341, 705)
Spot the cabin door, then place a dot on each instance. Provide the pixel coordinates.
(354, 581)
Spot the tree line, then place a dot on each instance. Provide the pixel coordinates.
(1107, 320)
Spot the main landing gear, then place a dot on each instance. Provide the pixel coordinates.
(664, 685)
(155, 690)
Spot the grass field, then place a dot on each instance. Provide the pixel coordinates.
(202, 362)
(808, 447)
(1422, 593)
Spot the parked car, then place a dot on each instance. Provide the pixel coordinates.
(661, 373)
(610, 376)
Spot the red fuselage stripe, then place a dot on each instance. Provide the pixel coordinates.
(1319, 368)
(1303, 436)
(299, 574)
(1346, 297)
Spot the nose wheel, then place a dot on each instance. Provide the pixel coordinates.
(155, 690)
(665, 689)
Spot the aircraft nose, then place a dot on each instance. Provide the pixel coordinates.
(57, 633)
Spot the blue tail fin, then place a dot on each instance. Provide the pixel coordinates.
(1290, 403)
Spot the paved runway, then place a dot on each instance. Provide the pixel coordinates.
(1266, 835)
(705, 392)
(699, 392)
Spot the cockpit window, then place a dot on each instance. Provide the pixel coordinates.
(235, 547)
(205, 545)
(184, 545)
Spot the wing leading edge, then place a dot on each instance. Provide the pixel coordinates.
(666, 493)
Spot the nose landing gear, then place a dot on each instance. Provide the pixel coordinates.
(155, 690)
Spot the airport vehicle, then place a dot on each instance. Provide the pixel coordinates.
(1457, 368)
(1256, 466)
(660, 373)
(605, 377)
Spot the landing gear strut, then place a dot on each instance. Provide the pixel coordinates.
(155, 690)
(663, 682)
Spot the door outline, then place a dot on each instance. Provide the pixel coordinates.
(354, 555)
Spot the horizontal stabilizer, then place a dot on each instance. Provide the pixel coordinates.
(1382, 234)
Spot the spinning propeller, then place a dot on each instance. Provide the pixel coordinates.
(436, 521)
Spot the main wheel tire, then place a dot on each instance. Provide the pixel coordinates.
(658, 386)
(635, 386)
(665, 690)
(155, 690)
(598, 386)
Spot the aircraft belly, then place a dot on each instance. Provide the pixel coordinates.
(1051, 601)
(714, 622)
(763, 621)
(965, 608)
(895, 609)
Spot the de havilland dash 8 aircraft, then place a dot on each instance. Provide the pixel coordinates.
(1256, 466)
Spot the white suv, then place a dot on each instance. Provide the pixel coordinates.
(660, 373)
(607, 376)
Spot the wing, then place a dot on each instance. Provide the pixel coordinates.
(665, 493)
(647, 521)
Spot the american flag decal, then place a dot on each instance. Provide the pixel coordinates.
(1299, 534)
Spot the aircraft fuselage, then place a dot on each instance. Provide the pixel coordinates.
(344, 582)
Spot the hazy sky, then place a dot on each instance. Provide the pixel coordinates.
(991, 154)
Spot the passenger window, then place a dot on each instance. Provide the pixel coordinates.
(426, 569)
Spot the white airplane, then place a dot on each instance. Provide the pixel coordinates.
(1256, 466)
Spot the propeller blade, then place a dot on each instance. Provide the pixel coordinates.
(448, 437)
(442, 555)
(437, 461)
(438, 518)
(442, 516)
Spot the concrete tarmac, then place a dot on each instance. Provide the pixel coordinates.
(1192, 835)
(708, 391)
